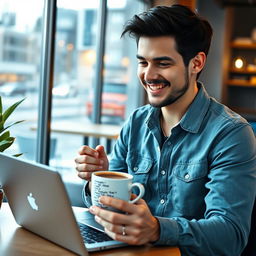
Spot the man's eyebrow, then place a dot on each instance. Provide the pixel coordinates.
(139, 57)
(162, 58)
(156, 58)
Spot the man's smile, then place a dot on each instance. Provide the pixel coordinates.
(156, 84)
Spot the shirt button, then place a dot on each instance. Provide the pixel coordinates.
(135, 168)
(187, 176)
(169, 143)
(162, 201)
(163, 172)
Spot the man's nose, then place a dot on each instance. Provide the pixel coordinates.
(150, 73)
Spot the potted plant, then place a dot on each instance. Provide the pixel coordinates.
(6, 140)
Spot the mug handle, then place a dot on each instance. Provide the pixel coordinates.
(141, 194)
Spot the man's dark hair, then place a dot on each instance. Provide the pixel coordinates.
(191, 32)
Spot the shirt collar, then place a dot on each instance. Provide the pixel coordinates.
(153, 117)
(193, 118)
(196, 112)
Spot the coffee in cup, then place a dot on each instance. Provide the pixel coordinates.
(114, 184)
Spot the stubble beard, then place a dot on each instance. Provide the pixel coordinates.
(174, 96)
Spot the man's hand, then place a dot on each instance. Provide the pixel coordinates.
(136, 227)
(90, 160)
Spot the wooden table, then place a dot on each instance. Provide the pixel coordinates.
(107, 131)
(17, 241)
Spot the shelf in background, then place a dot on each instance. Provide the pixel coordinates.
(243, 45)
(241, 83)
(242, 71)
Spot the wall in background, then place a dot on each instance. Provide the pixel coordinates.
(212, 74)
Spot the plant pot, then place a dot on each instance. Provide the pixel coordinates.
(1, 196)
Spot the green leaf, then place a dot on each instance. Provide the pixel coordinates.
(5, 139)
(6, 143)
(1, 127)
(9, 110)
(4, 136)
(1, 106)
(17, 155)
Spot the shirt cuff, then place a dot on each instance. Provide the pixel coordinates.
(86, 195)
(169, 231)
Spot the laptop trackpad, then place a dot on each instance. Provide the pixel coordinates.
(85, 217)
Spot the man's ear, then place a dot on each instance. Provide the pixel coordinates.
(197, 63)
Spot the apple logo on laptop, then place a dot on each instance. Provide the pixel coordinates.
(32, 202)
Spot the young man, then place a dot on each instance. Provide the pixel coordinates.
(195, 157)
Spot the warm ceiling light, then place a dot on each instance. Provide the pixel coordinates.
(125, 62)
(239, 63)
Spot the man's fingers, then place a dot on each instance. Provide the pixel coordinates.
(113, 217)
(86, 150)
(109, 216)
(129, 239)
(88, 167)
(120, 204)
(109, 226)
(100, 149)
(117, 228)
(85, 175)
(88, 159)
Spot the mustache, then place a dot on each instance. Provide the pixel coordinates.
(156, 81)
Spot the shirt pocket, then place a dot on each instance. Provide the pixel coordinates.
(188, 190)
(139, 167)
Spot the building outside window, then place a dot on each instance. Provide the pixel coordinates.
(20, 46)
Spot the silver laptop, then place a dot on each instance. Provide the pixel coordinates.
(39, 203)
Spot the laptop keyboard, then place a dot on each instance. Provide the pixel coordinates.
(91, 235)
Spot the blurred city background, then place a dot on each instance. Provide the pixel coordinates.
(21, 30)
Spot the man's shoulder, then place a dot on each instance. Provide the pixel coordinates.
(223, 115)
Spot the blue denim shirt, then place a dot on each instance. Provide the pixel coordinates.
(201, 183)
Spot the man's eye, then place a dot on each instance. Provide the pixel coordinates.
(142, 63)
(164, 64)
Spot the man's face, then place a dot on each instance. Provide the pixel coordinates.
(161, 70)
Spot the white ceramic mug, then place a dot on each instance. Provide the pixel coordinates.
(114, 184)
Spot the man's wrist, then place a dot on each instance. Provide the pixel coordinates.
(156, 231)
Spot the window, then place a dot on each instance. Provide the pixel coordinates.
(75, 73)
(20, 44)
